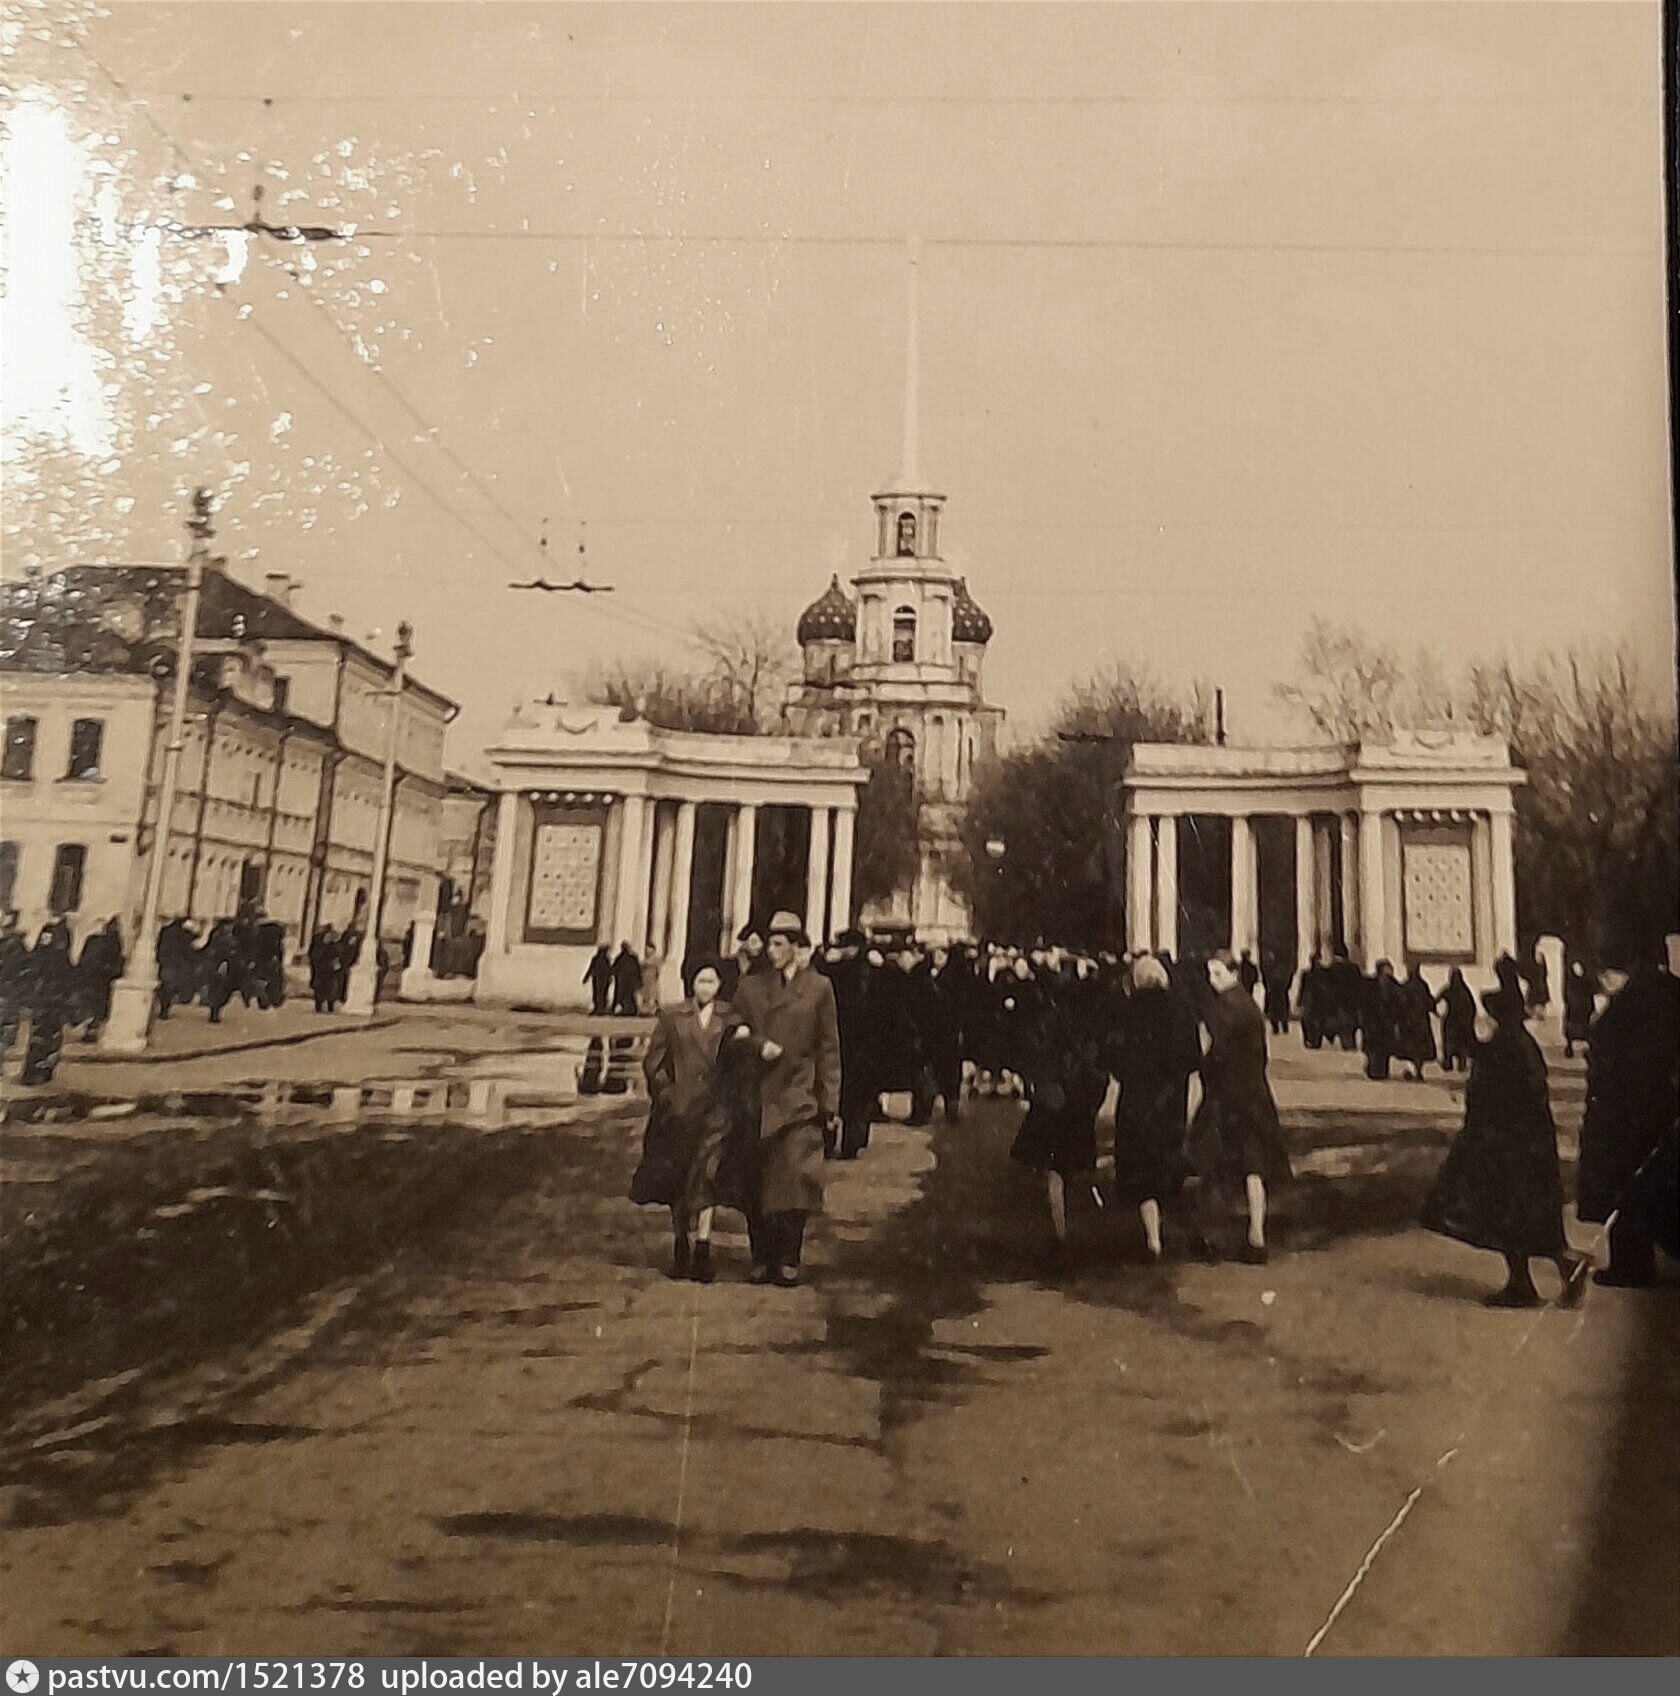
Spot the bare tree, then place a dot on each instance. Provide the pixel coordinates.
(734, 685)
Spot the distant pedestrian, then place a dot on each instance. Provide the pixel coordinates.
(1415, 1043)
(1380, 1020)
(100, 965)
(626, 981)
(177, 958)
(1458, 1023)
(52, 991)
(1580, 995)
(1248, 974)
(14, 980)
(219, 968)
(1499, 1187)
(323, 967)
(598, 975)
(345, 955)
(1278, 975)
(647, 1002)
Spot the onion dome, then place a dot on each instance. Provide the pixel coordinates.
(968, 622)
(829, 618)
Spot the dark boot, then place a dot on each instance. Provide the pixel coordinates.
(680, 1258)
(700, 1264)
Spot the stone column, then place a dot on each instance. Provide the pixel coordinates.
(816, 876)
(1166, 885)
(840, 885)
(1394, 891)
(1370, 889)
(1242, 884)
(1503, 854)
(727, 923)
(682, 888)
(632, 870)
(1138, 891)
(642, 933)
(1306, 896)
(501, 874)
(1348, 832)
(612, 837)
(1323, 889)
(659, 920)
(746, 852)
(417, 979)
(1481, 887)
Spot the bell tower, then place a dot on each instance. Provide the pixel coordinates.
(906, 592)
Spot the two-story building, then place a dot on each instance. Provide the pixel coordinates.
(281, 768)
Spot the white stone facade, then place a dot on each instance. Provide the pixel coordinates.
(1401, 851)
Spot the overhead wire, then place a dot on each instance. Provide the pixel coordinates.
(644, 623)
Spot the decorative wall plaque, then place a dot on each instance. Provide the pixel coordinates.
(1440, 913)
(565, 875)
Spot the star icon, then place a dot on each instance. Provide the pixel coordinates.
(23, 1676)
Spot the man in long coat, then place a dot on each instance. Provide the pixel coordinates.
(788, 1014)
(850, 976)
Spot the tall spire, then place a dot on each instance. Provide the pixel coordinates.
(910, 469)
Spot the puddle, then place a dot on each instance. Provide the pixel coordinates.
(493, 1091)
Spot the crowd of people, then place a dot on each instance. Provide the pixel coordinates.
(55, 989)
(779, 1059)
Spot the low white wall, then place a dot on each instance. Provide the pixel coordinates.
(550, 976)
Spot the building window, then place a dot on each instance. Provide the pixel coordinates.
(901, 748)
(907, 535)
(8, 874)
(904, 635)
(69, 865)
(19, 760)
(87, 739)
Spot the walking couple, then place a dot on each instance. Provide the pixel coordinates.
(742, 1094)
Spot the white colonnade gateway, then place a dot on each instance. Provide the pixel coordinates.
(611, 830)
(1399, 851)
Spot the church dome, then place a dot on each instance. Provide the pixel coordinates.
(829, 618)
(968, 622)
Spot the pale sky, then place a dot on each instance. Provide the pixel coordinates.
(1231, 314)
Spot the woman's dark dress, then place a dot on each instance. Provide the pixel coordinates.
(1578, 993)
(1499, 1186)
(1236, 1130)
(1155, 1052)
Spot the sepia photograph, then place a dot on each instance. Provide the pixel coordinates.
(836, 830)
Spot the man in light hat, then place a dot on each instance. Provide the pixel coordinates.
(788, 1013)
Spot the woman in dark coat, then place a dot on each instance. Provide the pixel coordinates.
(698, 1084)
(1633, 1083)
(1580, 991)
(1066, 1079)
(219, 968)
(1235, 1138)
(1156, 1052)
(1458, 1023)
(1499, 1186)
(1416, 1005)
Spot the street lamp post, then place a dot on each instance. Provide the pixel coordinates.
(364, 975)
(135, 992)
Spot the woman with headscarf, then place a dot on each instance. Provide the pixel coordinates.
(1156, 1053)
(698, 1084)
(1499, 1187)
